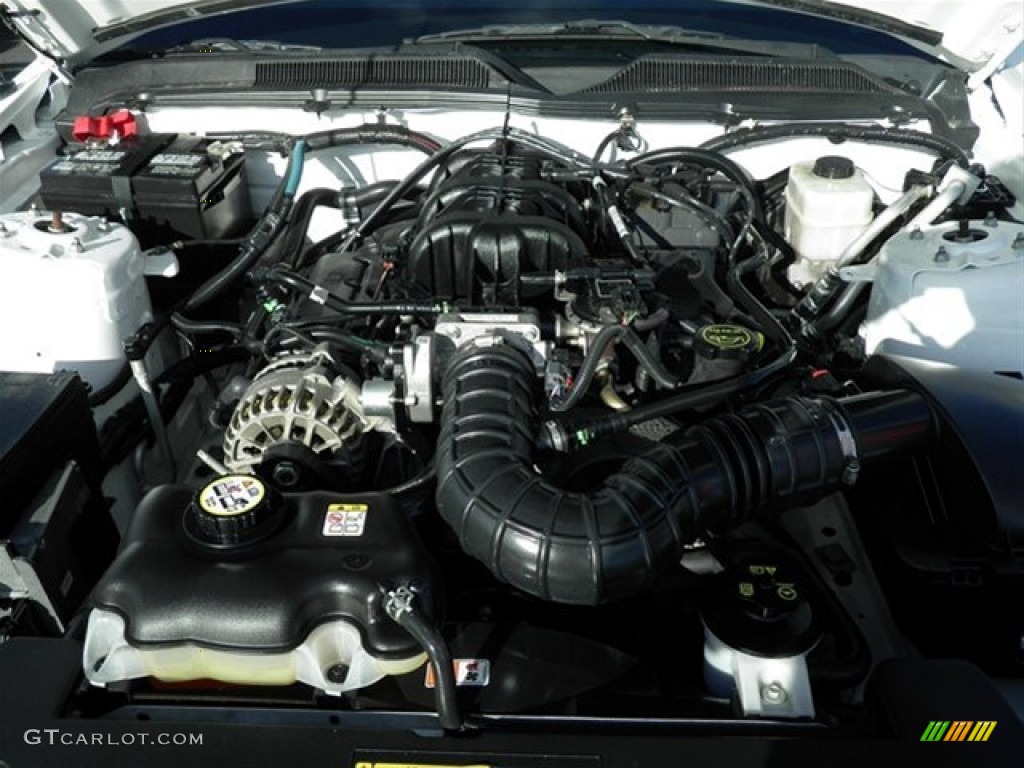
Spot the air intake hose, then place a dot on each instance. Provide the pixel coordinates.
(591, 548)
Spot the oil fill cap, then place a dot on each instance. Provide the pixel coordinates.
(725, 341)
(233, 511)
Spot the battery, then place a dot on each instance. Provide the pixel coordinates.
(96, 180)
(164, 187)
(194, 189)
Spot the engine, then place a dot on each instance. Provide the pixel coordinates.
(531, 410)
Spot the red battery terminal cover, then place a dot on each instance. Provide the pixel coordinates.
(122, 123)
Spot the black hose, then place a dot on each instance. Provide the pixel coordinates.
(298, 224)
(442, 155)
(559, 437)
(270, 226)
(745, 137)
(106, 392)
(707, 214)
(555, 436)
(310, 290)
(708, 159)
(654, 320)
(774, 329)
(259, 239)
(627, 139)
(356, 204)
(840, 308)
(124, 428)
(608, 335)
(178, 245)
(185, 325)
(364, 197)
(327, 334)
(372, 133)
(406, 612)
(596, 546)
(605, 143)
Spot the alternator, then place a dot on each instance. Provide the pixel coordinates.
(301, 404)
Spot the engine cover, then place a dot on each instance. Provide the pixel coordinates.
(480, 256)
(492, 220)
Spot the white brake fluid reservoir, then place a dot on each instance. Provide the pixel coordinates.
(71, 288)
(828, 203)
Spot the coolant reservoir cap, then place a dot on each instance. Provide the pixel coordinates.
(233, 511)
(732, 342)
(833, 167)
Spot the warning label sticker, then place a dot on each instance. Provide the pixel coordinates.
(468, 672)
(178, 159)
(345, 519)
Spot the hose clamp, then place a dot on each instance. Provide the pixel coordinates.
(399, 603)
(847, 445)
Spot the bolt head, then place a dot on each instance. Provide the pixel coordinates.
(286, 474)
(336, 673)
(774, 693)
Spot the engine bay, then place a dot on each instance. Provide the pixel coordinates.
(526, 430)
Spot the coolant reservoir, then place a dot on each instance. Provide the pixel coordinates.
(71, 288)
(828, 203)
(241, 584)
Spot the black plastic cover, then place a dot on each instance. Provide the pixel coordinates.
(68, 538)
(44, 423)
(480, 256)
(334, 559)
(983, 413)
